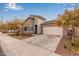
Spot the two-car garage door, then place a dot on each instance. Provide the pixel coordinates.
(53, 30)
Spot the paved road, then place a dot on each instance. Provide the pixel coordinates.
(15, 47)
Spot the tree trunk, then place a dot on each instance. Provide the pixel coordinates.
(73, 33)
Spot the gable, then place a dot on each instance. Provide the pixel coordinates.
(38, 20)
(28, 23)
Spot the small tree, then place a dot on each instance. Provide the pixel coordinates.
(14, 25)
(2, 26)
(69, 18)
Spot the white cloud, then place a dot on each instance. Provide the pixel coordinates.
(69, 6)
(73, 4)
(12, 6)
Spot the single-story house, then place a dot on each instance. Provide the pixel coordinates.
(38, 24)
(33, 24)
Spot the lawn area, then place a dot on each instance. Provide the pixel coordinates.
(62, 50)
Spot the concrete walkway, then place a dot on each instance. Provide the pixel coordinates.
(15, 47)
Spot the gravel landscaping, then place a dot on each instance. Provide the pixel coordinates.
(21, 37)
(62, 50)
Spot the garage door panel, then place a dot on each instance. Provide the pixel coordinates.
(53, 30)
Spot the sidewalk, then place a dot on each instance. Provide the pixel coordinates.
(14, 47)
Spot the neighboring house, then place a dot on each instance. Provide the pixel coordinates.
(33, 24)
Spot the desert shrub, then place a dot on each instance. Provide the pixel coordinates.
(75, 42)
(73, 45)
(17, 33)
(68, 45)
(11, 34)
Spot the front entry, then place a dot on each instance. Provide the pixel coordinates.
(35, 29)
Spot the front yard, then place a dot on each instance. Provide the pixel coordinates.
(18, 35)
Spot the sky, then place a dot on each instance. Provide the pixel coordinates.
(50, 11)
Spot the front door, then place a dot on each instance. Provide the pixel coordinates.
(35, 29)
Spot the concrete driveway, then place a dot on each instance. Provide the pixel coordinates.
(47, 42)
(14, 47)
